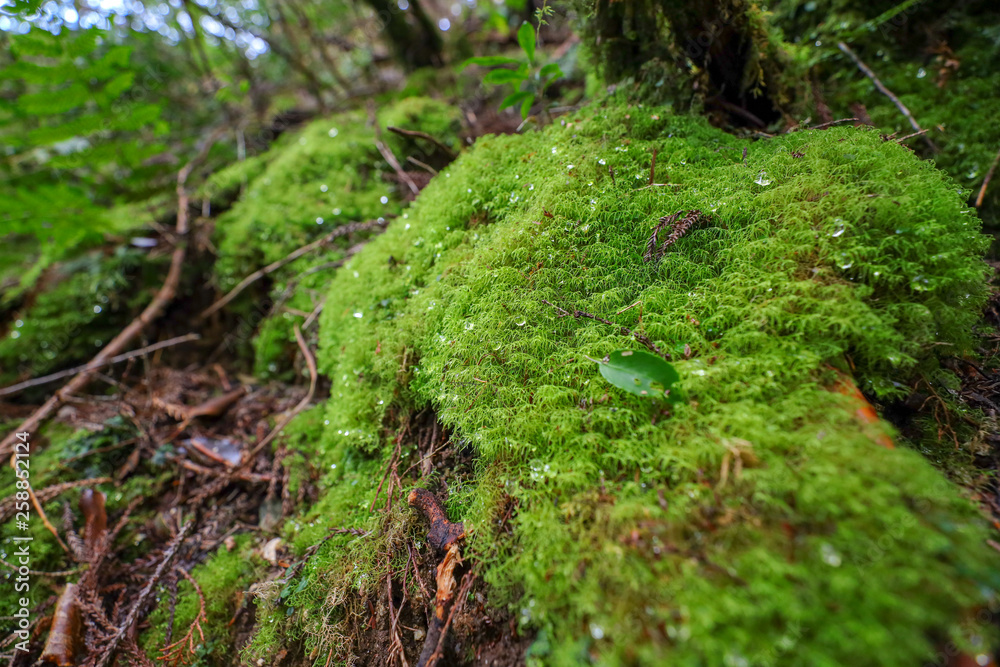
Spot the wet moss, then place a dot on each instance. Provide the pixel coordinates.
(83, 304)
(325, 175)
(224, 579)
(635, 540)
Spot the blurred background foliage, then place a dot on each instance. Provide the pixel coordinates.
(101, 103)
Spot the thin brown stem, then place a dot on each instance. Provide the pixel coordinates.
(885, 91)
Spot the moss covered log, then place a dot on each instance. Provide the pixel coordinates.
(759, 521)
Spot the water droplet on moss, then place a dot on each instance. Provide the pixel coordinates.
(830, 555)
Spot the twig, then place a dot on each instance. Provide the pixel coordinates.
(885, 91)
(463, 593)
(652, 169)
(302, 405)
(612, 172)
(822, 126)
(444, 536)
(314, 314)
(343, 230)
(625, 330)
(423, 165)
(133, 614)
(155, 308)
(423, 135)
(986, 181)
(910, 136)
(34, 382)
(42, 573)
(396, 167)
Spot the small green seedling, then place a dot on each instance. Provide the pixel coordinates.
(528, 81)
(640, 373)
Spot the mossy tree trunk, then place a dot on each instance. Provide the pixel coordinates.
(411, 33)
(725, 46)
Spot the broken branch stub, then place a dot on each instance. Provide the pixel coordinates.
(442, 532)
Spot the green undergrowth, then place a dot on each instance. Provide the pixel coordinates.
(82, 304)
(61, 456)
(223, 579)
(310, 182)
(940, 59)
(637, 538)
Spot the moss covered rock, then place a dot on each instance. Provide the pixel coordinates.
(756, 522)
(328, 174)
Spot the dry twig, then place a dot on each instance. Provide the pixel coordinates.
(175, 652)
(625, 330)
(396, 167)
(155, 308)
(443, 535)
(986, 181)
(147, 590)
(141, 352)
(885, 91)
(343, 230)
(423, 135)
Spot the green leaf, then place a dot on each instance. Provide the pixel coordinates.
(552, 69)
(526, 38)
(501, 76)
(119, 84)
(514, 98)
(636, 371)
(526, 105)
(489, 61)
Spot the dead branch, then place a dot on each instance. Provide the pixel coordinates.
(986, 181)
(423, 165)
(442, 535)
(396, 167)
(302, 405)
(885, 91)
(423, 135)
(624, 330)
(155, 308)
(343, 230)
(141, 352)
(823, 126)
(48, 493)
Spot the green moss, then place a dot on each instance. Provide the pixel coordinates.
(223, 580)
(825, 248)
(940, 59)
(327, 174)
(84, 304)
